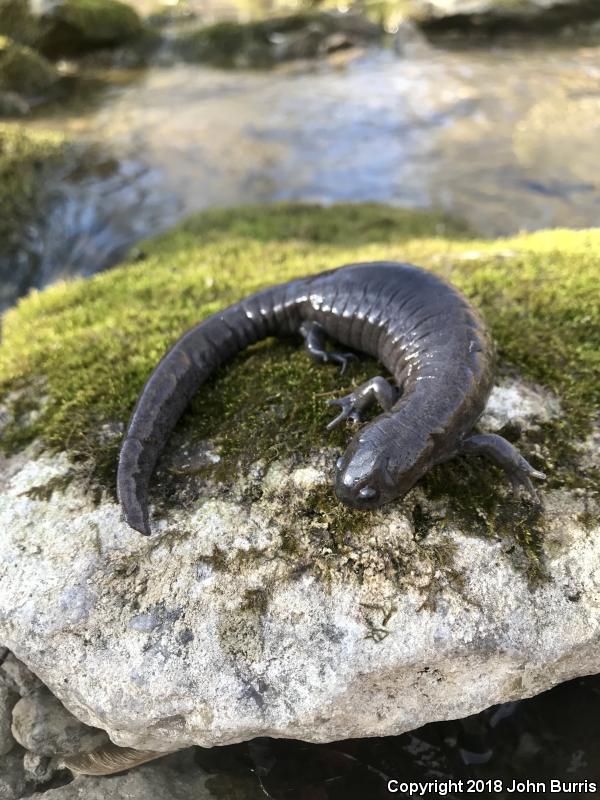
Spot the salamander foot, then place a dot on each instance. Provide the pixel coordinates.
(348, 410)
(315, 340)
(376, 390)
(507, 457)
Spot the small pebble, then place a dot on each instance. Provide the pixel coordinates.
(21, 679)
(43, 725)
(39, 768)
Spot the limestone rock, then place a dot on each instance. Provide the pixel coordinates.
(39, 769)
(261, 607)
(44, 726)
(515, 402)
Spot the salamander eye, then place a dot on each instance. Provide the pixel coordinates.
(367, 492)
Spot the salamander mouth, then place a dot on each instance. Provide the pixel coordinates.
(365, 498)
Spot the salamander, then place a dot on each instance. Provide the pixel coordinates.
(422, 329)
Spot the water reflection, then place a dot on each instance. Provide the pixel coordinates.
(505, 137)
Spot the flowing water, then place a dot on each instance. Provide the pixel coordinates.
(504, 136)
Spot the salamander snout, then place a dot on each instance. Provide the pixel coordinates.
(378, 466)
(357, 481)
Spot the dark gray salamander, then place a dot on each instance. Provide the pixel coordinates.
(420, 328)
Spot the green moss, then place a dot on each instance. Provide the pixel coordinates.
(24, 71)
(93, 343)
(234, 401)
(17, 22)
(75, 26)
(469, 489)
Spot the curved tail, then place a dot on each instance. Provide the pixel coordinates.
(177, 378)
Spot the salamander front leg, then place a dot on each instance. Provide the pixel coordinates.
(376, 390)
(505, 456)
(315, 340)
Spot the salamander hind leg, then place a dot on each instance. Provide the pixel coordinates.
(505, 456)
(315, 340)
(376, 390)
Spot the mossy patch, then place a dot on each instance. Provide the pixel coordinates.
(24, 71)
(95, 342)
(17, 22)
(76, 26)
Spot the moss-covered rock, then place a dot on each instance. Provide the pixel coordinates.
(94, 342)
(71, 27)
(266, 42)
(258, 586)
(76, 356)
(17, 22)
(24, 71)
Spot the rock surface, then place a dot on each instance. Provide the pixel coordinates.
(13, 781)
(39, 769)
(503, 13)
(260, 607)
(42, 724)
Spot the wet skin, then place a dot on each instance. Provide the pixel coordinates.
(434, 344)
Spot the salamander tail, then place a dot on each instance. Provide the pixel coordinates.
(132, 486)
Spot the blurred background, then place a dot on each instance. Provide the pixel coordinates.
(121, 125)
(487, 109)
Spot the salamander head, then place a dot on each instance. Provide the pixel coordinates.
(379, 466)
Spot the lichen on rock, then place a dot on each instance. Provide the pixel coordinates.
(261, 605)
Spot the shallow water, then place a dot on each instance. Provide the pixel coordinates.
(504, 136)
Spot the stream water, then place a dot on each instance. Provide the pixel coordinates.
(504, 136)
